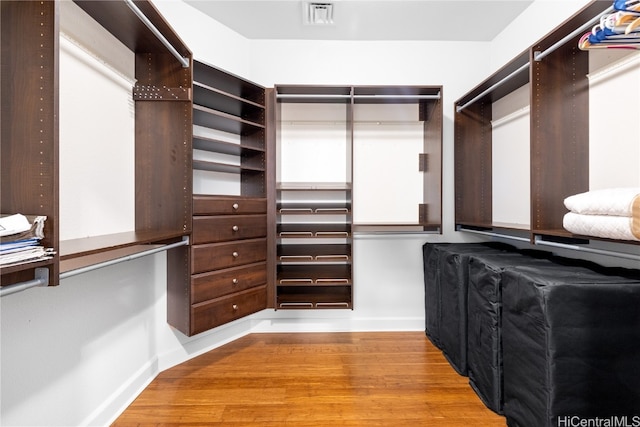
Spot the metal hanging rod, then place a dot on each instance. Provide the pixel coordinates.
(539, 241)
(538, 56)
(494, 234)
(41, 278)
(66, 274)
(184, 61)
(486, 91)
(436, 96)
(338, 96)
(318, 96)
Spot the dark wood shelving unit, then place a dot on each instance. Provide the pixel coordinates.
(559, 135)
(313, 239)
(30, 146)
(229, 251)
(314, 247)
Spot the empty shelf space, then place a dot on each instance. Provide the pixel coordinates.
(232, 86)
(218, 100)
(224, 147)
(308, 186)
(223, 167)
(207, 117)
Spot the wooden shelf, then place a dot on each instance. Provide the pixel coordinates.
(207, 117)
(238, 90)
(224, 167)
(224, 147)
(76, 248)
(221, 101)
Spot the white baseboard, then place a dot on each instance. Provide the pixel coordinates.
(106, 414)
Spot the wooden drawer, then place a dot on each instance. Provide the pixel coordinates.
(209, 314)
(214, 205)
(206, 286)
(214, 256)
(211, 229)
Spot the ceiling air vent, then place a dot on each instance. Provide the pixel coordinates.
(318, 13)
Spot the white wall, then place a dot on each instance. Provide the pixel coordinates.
(536, 21)
(78, 353)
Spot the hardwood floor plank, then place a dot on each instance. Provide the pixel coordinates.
(308, 380)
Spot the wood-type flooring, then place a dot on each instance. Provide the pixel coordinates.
(389, 379)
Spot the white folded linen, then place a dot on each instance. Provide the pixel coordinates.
(605, 226)
(610, 201)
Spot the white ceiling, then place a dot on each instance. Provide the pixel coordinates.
(454, 20)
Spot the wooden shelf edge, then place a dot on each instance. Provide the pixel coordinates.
(77, 248)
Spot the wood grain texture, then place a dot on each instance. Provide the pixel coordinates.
(313, 379)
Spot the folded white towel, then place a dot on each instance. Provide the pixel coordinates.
(611, 201)
(605, 226)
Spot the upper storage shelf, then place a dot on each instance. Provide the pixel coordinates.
(395, 94)
(121, 20)
(314, 94)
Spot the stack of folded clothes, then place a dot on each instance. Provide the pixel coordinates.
(610, 213)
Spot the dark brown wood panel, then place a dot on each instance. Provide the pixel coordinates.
(473, 165)
(29, 129)
(178, 301)
(559, 133)
(431, 114)
(163, 148)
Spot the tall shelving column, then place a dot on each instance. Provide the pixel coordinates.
(229, 242)
(314, 215)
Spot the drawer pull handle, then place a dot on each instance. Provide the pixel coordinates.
(235, 307)
(235, 254)
(235, 228)
(234, 281)
(235, 206)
